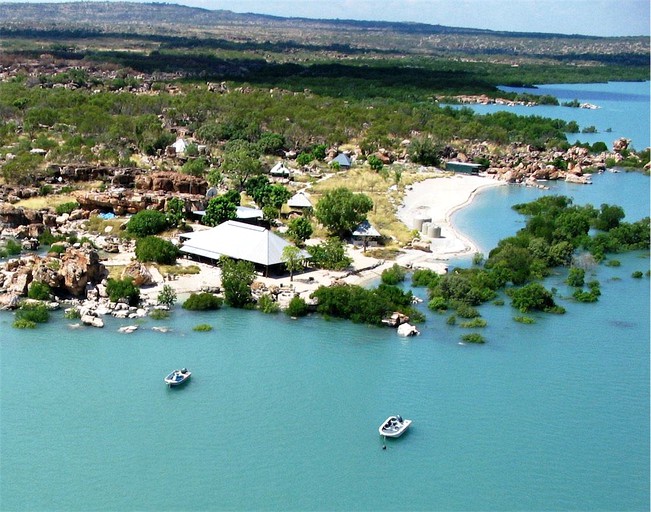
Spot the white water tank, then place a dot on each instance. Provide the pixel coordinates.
(434, 231)
(424, 229)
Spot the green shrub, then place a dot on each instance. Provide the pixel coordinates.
(67, 207)
(159, 314)
(22, 323)
(266, 304)
(393, 275)
(474, 323)
(12, 247)
(203, 301)
(524, 319)
(147, 222)
(452, 320)
(35, 313)
(202, 328)
(438, 304)
(575, 277)
(498, 302)
(425, 277)
(584, 296)
(638, 274)
(123, 289)
(297, 307)
(72, 314)
(465, 310)
(473, 337)
(57, 248)
(157, 250)
(613, 263)
(39, 291)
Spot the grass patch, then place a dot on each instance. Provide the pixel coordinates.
(202, 328)
(379, 187)
(178, 270)
(524, 319)
(49, 201)
(98, 225)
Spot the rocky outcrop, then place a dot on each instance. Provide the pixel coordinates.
(172, 182)
(68, 274)
(123, 201)
(621, 144)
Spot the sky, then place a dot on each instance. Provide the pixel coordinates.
(587, 17)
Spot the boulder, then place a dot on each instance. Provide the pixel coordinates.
(93, 321)
(621, 144)
(9, 301)
(139, 273)
(407, 329)
(79, 267)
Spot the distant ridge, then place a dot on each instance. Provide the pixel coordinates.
(157, 14)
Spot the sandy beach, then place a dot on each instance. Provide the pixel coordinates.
(435, 199)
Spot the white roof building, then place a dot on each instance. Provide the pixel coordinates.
(180, 146)
(238, 241)
(299, 200)
(280, 170)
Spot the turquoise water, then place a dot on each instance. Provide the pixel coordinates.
(282, 414)
(624, 109)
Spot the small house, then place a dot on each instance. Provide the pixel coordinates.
(280, 171)
(365, 235)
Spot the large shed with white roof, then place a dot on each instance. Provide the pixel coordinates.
(239, 241)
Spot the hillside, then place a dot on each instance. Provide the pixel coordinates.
(415, 39)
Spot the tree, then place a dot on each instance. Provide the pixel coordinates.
(341, 211)
(609, 217)
(123, 289)
(330, 255)
(147, 222)
(157, 250)
(292, 259)
(425, 151)
(175, 212)
(237, 277)
(299, 229)
(167, 296)
(533, 296)
(195, 166)
(219, 210)
(241, 163)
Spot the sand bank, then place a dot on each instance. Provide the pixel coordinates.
(436, 200)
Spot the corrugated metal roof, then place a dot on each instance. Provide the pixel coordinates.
(239, 241)
(365, 229)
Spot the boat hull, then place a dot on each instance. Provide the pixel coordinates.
(394, 427)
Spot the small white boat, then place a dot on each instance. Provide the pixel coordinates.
(178, 377)
(394, 426)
